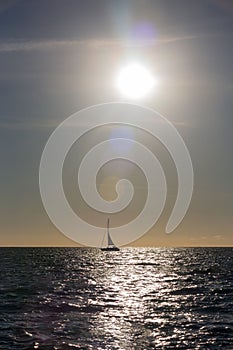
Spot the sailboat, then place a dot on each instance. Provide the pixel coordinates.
(111, 246)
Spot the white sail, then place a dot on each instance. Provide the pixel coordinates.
(110, 242)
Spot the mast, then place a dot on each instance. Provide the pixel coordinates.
(108, 226)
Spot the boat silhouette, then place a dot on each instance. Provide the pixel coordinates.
(110, 244)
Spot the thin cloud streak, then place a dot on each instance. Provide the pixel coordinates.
(28, 125)
(52, 123)
(15, 46)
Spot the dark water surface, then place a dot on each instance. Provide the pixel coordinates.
(67, 298)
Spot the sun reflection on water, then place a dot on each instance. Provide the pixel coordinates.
(129, 288)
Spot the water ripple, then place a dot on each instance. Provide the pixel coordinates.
(67, 298)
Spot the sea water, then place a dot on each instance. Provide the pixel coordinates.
(137, 298)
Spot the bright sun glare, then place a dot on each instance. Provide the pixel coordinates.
(135, 81)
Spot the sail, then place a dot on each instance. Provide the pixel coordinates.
(110, 245)
(110, 242)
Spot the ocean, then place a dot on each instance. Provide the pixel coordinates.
(138, 298)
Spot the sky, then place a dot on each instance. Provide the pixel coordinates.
(60, 56)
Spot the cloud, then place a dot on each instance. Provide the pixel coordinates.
(7, 4)
(35, 45)
(27, 124)
(218, 237)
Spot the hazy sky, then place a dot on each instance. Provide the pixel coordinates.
(59, 56)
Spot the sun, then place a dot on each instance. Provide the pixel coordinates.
(135, 81)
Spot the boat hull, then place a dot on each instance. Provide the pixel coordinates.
(110, 249)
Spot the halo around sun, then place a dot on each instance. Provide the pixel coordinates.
(135, 81)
